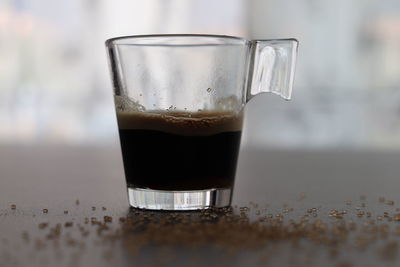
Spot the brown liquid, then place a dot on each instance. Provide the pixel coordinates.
(167, 151)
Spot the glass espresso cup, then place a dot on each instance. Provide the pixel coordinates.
(179, 101)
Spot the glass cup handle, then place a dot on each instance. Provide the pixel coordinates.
(272, 67)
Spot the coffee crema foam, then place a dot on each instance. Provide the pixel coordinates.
(181, 123)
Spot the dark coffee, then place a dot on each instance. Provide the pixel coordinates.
(178, 151)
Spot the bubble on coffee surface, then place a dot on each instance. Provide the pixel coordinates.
(124, 103)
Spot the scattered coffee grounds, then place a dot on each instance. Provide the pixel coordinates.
(231, 230)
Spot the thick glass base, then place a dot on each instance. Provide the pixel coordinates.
(179, 200)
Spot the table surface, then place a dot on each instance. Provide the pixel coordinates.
(34, 178)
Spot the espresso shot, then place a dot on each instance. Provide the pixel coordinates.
(179, 151)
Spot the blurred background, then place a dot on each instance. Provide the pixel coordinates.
(55, 86)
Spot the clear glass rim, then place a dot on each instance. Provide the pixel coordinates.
(114, 40)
